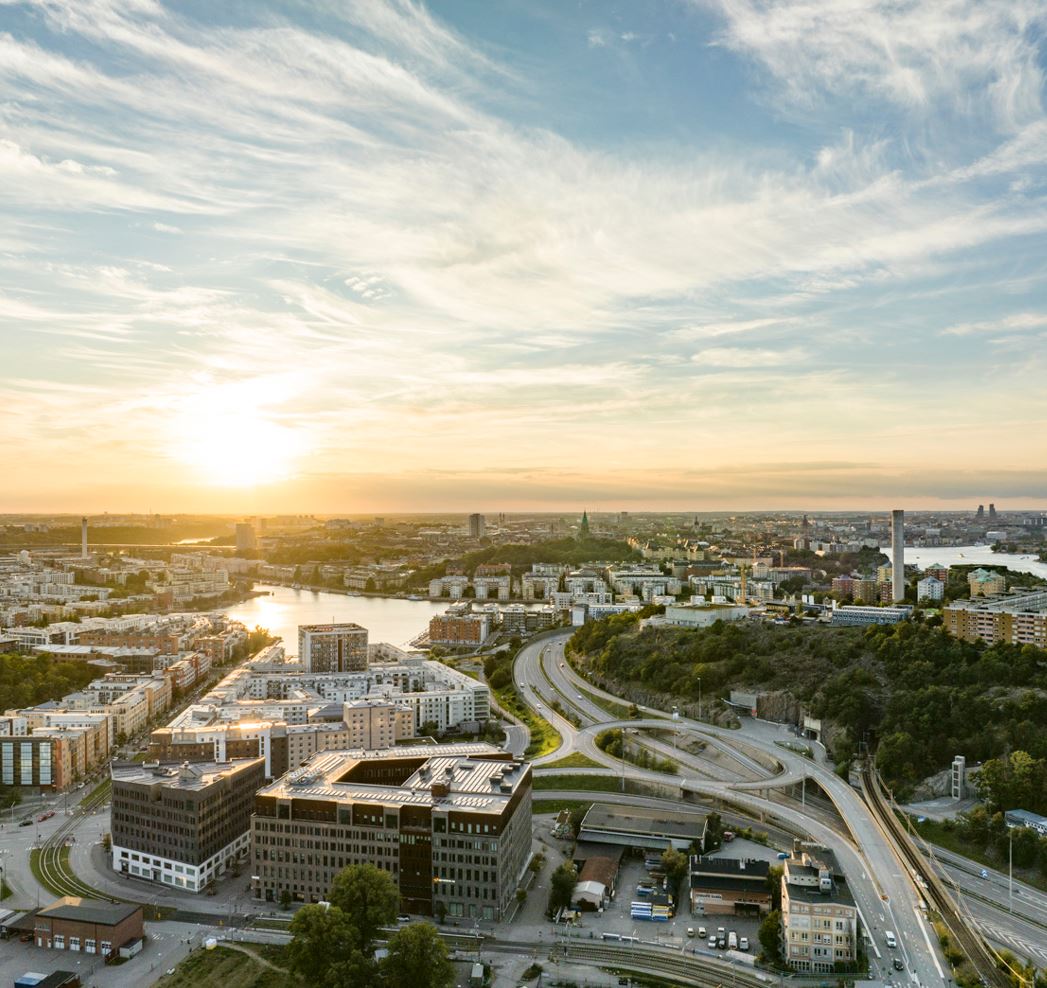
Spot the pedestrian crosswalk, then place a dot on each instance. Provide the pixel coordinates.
(1029, 951)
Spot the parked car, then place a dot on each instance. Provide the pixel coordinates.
(403, 919)
(690, 931)
(722, 943)
(701, 932)
(712, 943)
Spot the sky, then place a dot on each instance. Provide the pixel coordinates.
(330, 256)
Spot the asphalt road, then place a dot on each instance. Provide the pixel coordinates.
(883, 892)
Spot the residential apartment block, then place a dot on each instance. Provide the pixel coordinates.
(182, 825)
(819, 917)
(450, 823)
(332, 647)
(1018, 617)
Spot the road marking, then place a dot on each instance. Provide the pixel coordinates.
(934, 956)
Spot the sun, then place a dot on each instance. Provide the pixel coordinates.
(230, 438)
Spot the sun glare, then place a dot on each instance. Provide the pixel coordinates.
(230, 440)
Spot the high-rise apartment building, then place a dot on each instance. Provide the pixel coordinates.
(1019, 618)
(477, 526)
(451, 823)
(332, 647)
(182, 825)
(245, 537)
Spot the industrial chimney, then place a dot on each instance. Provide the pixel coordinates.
(898, 555)
(83, 538)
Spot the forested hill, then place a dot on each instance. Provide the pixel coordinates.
(922, 695)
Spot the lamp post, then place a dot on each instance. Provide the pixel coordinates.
(699, 697)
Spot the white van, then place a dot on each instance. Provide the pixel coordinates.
(889, 937)
(732, 940)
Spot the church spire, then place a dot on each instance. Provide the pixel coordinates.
(584, 528)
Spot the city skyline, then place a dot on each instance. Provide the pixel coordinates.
(679, 255)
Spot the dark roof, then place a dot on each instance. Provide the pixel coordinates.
(59, 979)
(751, 870)
(728, 883)
(599, 869)
(89, 910)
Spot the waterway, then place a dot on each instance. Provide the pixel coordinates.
(387, 619)
(977, 555)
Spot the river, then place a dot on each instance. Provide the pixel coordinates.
(978, 555)
(393, 620)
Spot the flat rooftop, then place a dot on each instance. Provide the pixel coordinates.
(472, 776)
(89, 910)
(640, 826)
(188, 776)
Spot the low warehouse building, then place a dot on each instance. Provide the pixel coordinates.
(641, 827)
(87, 926)
(729, 886)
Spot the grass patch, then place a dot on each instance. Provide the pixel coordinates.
(587, 783)
(5, 889)
(619, 711)
(575, 759)
(225, 968)
(545, 739)
(103, 787)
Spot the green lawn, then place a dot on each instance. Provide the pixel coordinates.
(575, 759)
(226, 968)
(545, 739)
(587, 783)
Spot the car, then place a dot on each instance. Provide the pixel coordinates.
(403, 919)
(722, 943)
(898, 964)
(701, 932)
(578, 695)
(712, 943)
(690, 931)
(743, 943)
(26, 938)
(27, 822)
(985, 874)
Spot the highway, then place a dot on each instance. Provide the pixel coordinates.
(884, 892)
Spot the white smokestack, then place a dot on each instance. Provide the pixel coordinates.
(898, 555)
(83, 538)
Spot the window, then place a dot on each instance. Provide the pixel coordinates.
(59, 941)
(74, 943)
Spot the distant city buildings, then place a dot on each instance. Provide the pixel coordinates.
(477, 526)
(245, 538)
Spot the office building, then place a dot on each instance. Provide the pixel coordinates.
(477, 526)
(450, 823)
(703, 615)
(332, 647)
(819, 916)
(182, 826)
(898, 554)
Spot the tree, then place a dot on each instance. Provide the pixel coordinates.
(322, 937)
(713, 831)
(561, 886)
(674, 864)
(417, 959)
(770, 936)
(368, 896)
(429, 729)
(774, 885)
(370, 586)
(285, 899)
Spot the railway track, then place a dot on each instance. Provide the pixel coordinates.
(932, 888)
(52, 856)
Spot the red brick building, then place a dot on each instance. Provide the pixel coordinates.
(87, 926)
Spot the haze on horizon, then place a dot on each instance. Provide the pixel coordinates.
(387, 256)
